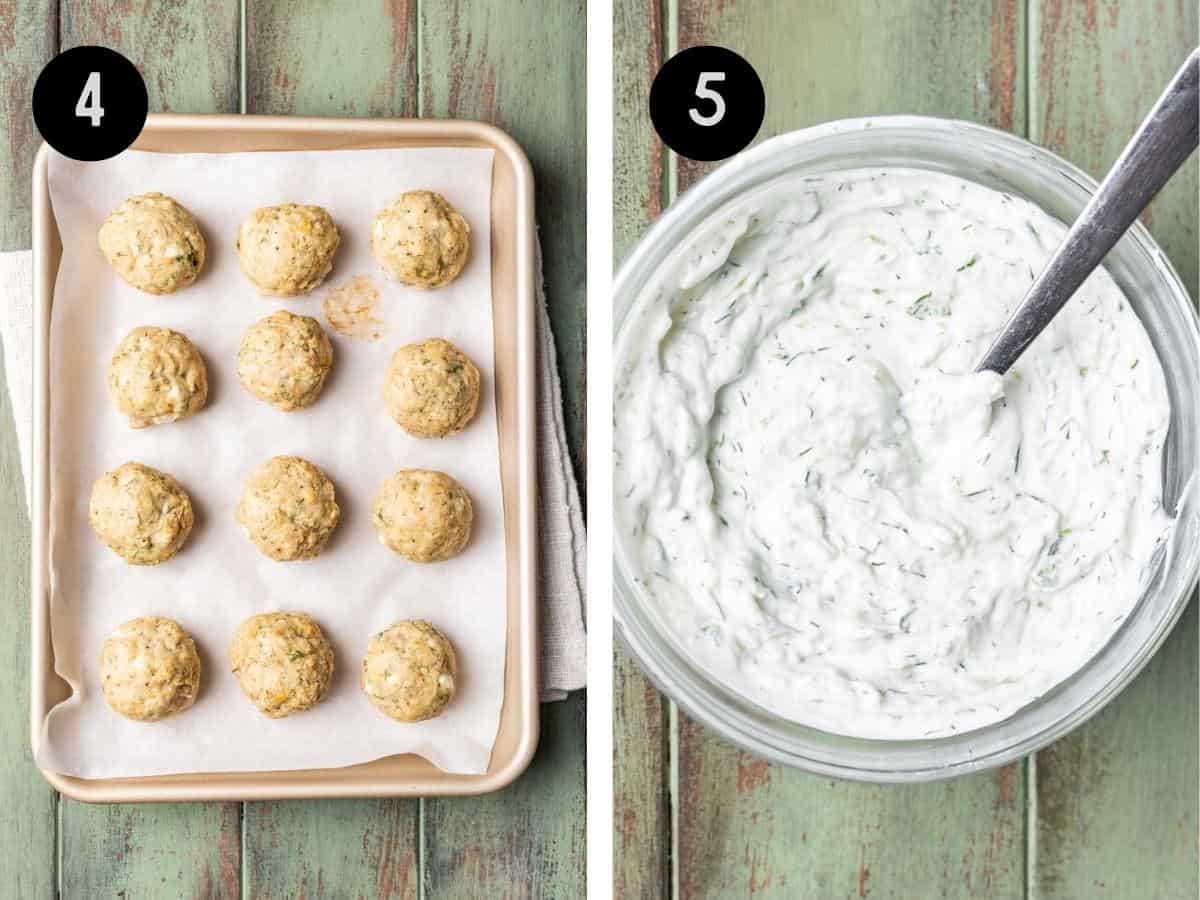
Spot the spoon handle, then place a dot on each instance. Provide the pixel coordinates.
(1165, 139)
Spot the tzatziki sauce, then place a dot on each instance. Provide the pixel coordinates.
(834, 515)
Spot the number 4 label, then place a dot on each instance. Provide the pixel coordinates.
(704, 92)
(88, 105)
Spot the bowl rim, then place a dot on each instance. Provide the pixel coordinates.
(732, 713)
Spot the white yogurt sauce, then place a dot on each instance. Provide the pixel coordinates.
(841, 521)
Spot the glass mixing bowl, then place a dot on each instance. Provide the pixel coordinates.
(1003, 162)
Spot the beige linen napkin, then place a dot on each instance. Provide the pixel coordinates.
(561, 532)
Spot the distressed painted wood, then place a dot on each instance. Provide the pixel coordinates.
(1098, 68)
(332, 59)
(639, 48)
(175, 850)
(186, 50)
(521, 66)
(355, 59)
(27, 815)
(28, 39)
(187, 53)
(526, 841)
(641, 795)
(1115, 814)
(333, 849)
(478, 60)
(746, 827)
(641, 807)
(28, 858)
(836, 59)
(1116, 811)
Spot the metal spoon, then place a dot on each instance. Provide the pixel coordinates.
(1165, 139)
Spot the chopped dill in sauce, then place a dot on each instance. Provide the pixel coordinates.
(839, 517)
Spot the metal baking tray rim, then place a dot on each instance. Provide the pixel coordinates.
(520, 709)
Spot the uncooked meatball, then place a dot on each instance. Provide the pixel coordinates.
(142, 514)
(149, 669)
(409, 671)
(284, 359)
(421, 240)
(431, 389)
(423, 515)
(283, 661)
(288, 249)
(288, 509)
(157, 376)
(153, 243)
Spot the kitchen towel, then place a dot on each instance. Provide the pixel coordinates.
(562, 538)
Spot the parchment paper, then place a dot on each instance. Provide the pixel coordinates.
(358, 586)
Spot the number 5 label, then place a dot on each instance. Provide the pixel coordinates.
(704, 92)
(706, 103)
(88, 105)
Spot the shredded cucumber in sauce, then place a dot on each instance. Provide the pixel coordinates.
(839, 519)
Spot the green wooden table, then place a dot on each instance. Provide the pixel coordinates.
(1111, 810)
(454, 58)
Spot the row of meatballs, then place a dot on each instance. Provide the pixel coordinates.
(157, 376)
(149, 667)
(288, 509)
(156, 245)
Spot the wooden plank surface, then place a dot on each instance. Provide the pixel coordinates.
(746, 827)
(28, 854)
(834, 59)
(641, 795)
(334, 849)
(526, 841)
(331, 59)
(28, 40)
(639, 49)
(749, 828)
(641, 803)
(1116, 811)
(187, 53)
(1115, 814)
(172, 850)
(186, 50)
(478, 60)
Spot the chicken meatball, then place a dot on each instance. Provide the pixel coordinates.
(149, 669)
(431, 388)
(409, 671)
(287, 250)
(284, 359)
(142, 514)
(288, 509)
(283, 662)
(423, 515)
(153, 243)
(157, 376)
(421, 240)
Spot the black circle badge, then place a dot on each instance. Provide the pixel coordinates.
(90, 103)
(707, 103)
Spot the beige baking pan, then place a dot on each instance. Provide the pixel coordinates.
(512, 299)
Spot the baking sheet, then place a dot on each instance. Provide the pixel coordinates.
(357, 587)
